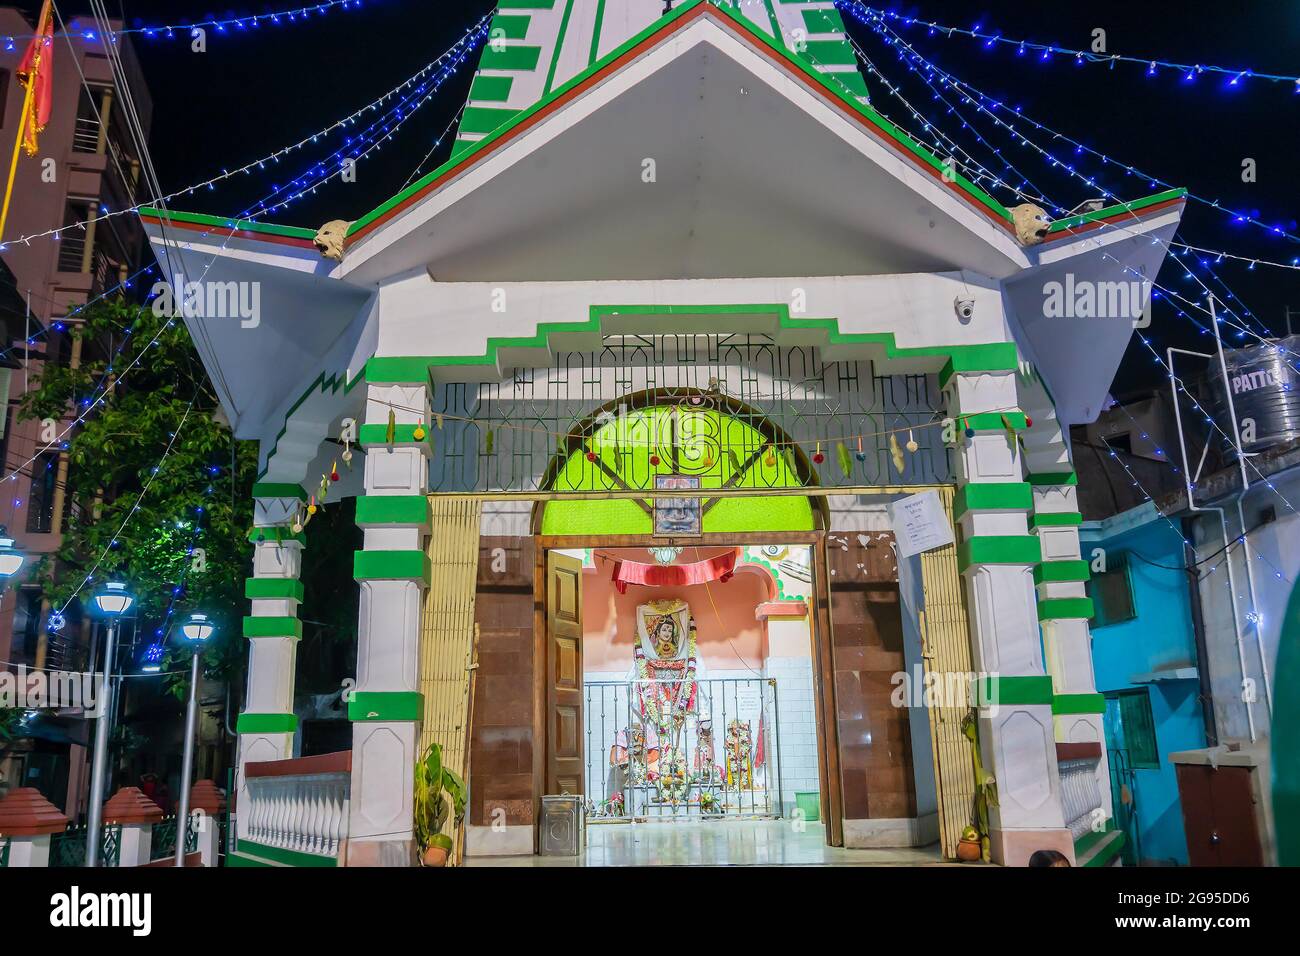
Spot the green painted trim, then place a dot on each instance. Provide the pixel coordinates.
(385, 706)
(993, 421)
(414, 369)
(284, 857)
(484, 119)
(1013, 691)
(225, 222)
(595, 33)
(290, 589)
(1065, 609)
(831, 53)
(559, 47)
(1054, 478)
(1060, 572)
(392, 509)
(272, 627)
(999, 549)
(525, 4)
(391, 566)
(237, 859)
(1070, 222)
(370, 436)
(826, 81)
(1055, 519)
(1106, 853)
(512, 26)
(276, 534)
(823, 21)
(322, 383)
(992, 496)
(1065, 704)
(278, 489)
(994, 357)
(521, 58)
(491, 89)
(266, 724)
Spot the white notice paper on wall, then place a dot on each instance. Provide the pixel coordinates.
(919, 523)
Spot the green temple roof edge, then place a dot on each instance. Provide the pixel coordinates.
(397, 369)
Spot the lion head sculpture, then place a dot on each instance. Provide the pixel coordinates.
(1031, 223)
(329, 239)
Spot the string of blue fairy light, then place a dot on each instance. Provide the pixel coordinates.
(302, 13)
(1151, 65)
(861, 13)
(233, 227)
(472, 35)
(928, 124)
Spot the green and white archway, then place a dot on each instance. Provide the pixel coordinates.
(626, 444)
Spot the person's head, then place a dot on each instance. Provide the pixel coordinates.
(1049, 858)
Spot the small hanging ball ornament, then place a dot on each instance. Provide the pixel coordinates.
(970, 433)
(334, 471)
(311, 507)
(818, 457)
(297, 526)
(419, 432)
(591, 456)
(912, 446)
(654, 460)
(347, 457)
(860, 454)
(1029, 422)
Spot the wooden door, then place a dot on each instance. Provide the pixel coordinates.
(564, 771)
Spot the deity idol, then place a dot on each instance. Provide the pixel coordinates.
(740, 763)
(667, 690)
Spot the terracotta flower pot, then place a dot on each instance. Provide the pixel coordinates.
(435, 856)
(968, 851)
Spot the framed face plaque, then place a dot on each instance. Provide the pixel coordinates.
(677, 517)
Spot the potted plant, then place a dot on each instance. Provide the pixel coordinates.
(439, 797)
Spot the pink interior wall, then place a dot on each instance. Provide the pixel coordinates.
(609, 618)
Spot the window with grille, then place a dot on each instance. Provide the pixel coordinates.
(1137, 727)
(40, 504)
(1112, 593)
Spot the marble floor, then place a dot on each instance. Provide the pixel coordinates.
(720, 843)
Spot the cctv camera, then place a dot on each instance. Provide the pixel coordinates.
(965, 308)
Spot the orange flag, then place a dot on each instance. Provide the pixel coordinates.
(36, 71)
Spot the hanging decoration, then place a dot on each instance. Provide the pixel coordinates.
(860, 454)
(719, 568)
(912, 445)
(390, 434)
(846, 462)
(896, 454)
(818, 457)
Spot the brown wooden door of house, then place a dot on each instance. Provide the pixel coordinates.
(564, 770)
(1219, 816)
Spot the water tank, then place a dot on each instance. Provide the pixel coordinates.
(1265, 393)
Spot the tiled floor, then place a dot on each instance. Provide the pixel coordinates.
(722, 843)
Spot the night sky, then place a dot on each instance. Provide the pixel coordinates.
(252, 93)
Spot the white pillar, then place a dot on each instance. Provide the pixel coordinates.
(136, 844)
(267, 724)
(27, 851)
(393, 571)
(998, 556)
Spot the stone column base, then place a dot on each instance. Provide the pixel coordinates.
(1015, 847)
(380, 853)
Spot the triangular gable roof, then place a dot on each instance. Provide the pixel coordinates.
(953, 192)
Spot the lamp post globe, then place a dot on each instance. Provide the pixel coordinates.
(11, 559)
(113, 599)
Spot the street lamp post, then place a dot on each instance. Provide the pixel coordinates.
(112, 601)
(195, 632)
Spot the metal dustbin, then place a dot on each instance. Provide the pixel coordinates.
(562, 825)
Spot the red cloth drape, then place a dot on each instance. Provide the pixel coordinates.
(720, 568)
(37, 69)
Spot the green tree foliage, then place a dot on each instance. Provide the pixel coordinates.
(151, 394)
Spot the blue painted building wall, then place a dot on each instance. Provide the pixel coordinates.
(1159, 638)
